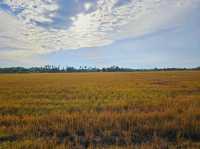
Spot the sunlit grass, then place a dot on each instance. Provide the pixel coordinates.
(95, 110)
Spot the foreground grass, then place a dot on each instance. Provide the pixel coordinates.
(100, 110)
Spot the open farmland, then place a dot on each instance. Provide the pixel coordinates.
(100, 110)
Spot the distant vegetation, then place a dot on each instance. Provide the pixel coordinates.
(151, 110)
(55, 69)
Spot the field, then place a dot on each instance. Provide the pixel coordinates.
(143, 110)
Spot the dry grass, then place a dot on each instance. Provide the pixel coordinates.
(100, 110)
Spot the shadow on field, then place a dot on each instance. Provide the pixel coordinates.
(7, 139)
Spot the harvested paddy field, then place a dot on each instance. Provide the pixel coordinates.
(144, 110)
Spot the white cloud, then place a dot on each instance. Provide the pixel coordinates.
(87, 6)
(108, 23)
(34, 10)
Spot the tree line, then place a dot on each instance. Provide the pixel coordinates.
(58, 69)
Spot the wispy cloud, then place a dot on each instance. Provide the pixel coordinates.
(23, 29)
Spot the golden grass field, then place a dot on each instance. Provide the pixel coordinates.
(143, 110)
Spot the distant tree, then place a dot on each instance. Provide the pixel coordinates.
(54, 69)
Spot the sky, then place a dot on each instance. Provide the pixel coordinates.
(100, 33)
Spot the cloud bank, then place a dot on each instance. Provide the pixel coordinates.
(25, 27)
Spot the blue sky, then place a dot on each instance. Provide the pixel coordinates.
(127, 33)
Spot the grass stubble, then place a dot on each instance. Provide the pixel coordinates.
(143, 110)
